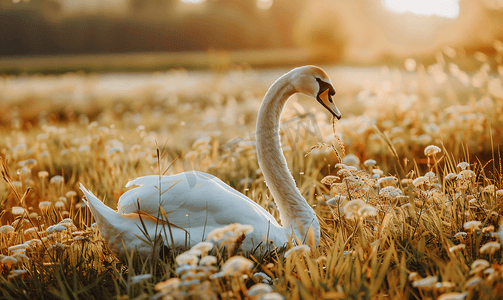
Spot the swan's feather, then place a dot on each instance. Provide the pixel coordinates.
(194, 198)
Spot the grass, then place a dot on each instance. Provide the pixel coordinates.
(410, 226)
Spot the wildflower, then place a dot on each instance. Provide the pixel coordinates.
(479, 265)
(204, 247)
(489, 189)
(6, 228)
(472, 225)
(392, 191)
(259, 289)
(451, 176)
(460, 235)
(186, 259)
(21, 257)
(431, 176)
(419, 181)
(208, 260)
(236, 264)
(489, 228)
(466, 175)
(301, 250)
(139, 278)
(344, 172)
(115, 151)
(16, 210)
(17, 248)
(336, 200)
(367, 210)
(44, 206)
(351, 160)
(386, 181)
(43, 174)
(56, 228)
(457, 248)
(33, 243)
(463, 165)
(428, 282)
(71, 194)
(184, 269)
(473, 282)
(369, 163)
(263, 277)
(168, 285)
(272, 296)
(431, 150)
(230, 233)
(58, 179)
(378, 172)
(68, 223)
(56, 246)
(354, 205)
(9, 261)
(490, 248)
(329, 180)
(15, 273)
(453, 296)
(32, 230)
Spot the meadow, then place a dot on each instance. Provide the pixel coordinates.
(407, 185)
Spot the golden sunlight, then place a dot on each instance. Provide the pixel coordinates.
(441, 8)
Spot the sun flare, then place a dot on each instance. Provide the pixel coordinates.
(441, 8)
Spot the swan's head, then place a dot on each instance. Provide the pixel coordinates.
(314, 82)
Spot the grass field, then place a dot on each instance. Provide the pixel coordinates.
(410, 203)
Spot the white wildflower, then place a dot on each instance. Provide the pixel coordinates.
(237, 264)
(472, 225)
(6, 228)
(186, 259)
(298, 250)
(431, 150)
(259, 289)
(490, 247)
(139, 278)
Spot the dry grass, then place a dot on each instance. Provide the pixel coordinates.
(414, 224)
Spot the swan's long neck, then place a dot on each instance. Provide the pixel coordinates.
(295, 212)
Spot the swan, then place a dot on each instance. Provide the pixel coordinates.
(196, 203)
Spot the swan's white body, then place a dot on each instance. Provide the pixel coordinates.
(199, 202)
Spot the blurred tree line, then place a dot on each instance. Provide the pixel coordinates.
(42, 27)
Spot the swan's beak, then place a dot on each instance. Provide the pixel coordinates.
(325, 99)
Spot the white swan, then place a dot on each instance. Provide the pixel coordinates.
(199, 202)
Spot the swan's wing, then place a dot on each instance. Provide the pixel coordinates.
(192, 199)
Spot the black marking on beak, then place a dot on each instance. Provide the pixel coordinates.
(331, 91)
(325, 86)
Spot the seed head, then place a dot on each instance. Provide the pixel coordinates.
(472, 225)
(431, 150)
(490, 248)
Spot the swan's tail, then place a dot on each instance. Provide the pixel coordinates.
(108, 219)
